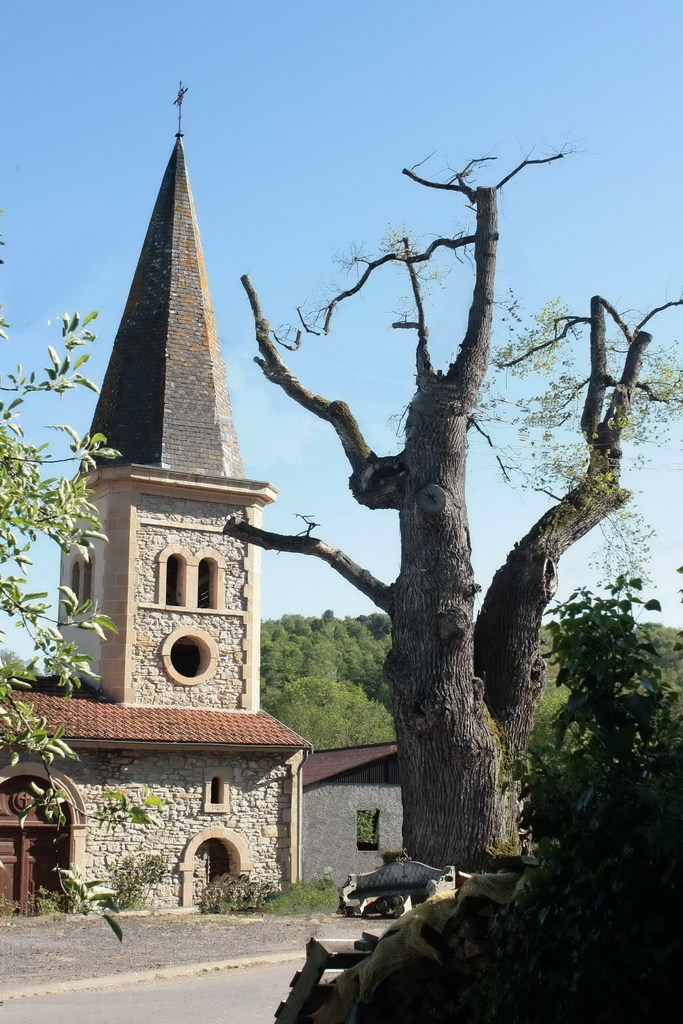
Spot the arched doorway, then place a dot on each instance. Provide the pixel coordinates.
(30, 854)
(211, 860)
(213, 852)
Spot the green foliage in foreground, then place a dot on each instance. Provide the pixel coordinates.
(597, 934)
(320, 894)
(38, 499)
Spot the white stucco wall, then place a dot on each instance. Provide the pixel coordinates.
(330, 826)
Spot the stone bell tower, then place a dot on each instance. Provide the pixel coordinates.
(184, 597)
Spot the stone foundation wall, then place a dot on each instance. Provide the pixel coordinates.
(256, 807)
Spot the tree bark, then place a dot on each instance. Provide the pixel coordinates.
(447, 751)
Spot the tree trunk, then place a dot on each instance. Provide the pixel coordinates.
(446, 746)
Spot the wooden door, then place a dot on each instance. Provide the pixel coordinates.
(29, 854)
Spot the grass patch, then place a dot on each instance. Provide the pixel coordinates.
(320, 894)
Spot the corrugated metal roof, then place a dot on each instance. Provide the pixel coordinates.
(326, 764)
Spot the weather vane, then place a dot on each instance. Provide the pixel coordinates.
(178, 102)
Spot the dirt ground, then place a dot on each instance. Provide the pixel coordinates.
(66, 948)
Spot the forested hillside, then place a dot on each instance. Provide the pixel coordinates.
(323, 676)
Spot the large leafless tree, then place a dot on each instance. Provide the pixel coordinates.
(463, 691)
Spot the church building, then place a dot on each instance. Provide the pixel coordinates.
(175, 711)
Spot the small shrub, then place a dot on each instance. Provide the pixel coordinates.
(394, 856)
(8, 907)
(133, 877)
(46, 903)
(232, 892)
(319, 894)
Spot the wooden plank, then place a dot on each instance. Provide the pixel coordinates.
(325, 960)
(317, 959)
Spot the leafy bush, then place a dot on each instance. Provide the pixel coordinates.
(46, 903)
(232, 892)
(320, 894)
(597, 934)
(133, 877)
(8, 907)
(394, 856)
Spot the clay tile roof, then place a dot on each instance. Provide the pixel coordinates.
(326, 764)
(88, 717)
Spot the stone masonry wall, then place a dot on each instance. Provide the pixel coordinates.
(257, 801)
(151, 685)
(181, 510)
(194, 525)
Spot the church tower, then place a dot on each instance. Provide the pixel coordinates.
(185, 598)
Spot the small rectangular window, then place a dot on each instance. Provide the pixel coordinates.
(367, 830)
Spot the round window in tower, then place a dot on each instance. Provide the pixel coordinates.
(189, 656)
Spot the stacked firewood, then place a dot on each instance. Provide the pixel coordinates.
(429, 988)
(421, 966)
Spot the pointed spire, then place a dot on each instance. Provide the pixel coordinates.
(164, 401)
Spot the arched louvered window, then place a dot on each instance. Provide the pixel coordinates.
(76, 579)
(207, 575)
(175, 580)
(87, 580)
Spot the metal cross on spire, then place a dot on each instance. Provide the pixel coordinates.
(178, 102)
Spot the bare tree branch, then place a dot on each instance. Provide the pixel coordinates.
(543, 490)
(422, 361)
(473, 422)
(458, 183)
(503, 469)
(571, 321)
(447, 185)
(378, 592)
(526, 163)
(653, 312)
(621, 324)
(293, 347)
(372, 265)
(337, 413)
(647, 389)
(472, 360)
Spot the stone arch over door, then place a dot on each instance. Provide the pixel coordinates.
(236, 849)
(32, 848)
(74, 797)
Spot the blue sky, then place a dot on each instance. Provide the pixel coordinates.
(298, 120)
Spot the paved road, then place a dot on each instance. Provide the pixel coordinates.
(248, 995)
